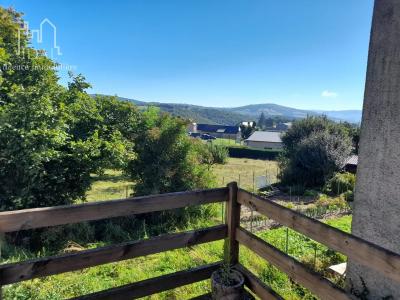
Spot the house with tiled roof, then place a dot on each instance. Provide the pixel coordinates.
(219, 131)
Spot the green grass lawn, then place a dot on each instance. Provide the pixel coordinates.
(115, 274)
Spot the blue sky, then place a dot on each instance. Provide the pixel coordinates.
(309, 54)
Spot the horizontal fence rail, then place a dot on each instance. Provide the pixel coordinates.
(359, 250)
(69, 214)
(60, 215)
(15, 272)
(256, 285)
(154, 285)
(297, 271)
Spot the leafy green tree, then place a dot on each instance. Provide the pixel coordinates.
(51, 137)
(119, 127)
(166, 158)
(314, 149)
(353, 131)
(247, 131)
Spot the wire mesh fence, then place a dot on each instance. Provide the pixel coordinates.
(251, 180)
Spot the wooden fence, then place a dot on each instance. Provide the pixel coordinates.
(363, 252)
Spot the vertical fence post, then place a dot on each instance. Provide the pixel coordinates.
(232, 216)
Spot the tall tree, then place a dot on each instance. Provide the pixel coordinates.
(51, 137)
(314, 148)
(247, 130)
(261, 121)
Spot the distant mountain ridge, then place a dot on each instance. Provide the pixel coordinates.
(235, 115)
(271, 109)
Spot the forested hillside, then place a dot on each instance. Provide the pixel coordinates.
(234, 115)
(199, 114)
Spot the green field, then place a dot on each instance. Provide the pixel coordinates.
(114, 185)
(242, 171)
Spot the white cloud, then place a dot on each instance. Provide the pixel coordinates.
(329, 94)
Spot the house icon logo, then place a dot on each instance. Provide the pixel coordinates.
(37, 37)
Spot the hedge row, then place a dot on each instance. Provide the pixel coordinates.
(244, 152)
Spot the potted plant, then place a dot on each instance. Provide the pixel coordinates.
(227, 283)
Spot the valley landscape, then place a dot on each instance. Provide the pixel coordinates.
(235, 115)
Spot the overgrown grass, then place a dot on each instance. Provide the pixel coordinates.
(115, 274)
(115, 185)
(313, 254)
(111, 185)
(242, 169)
(94, 279)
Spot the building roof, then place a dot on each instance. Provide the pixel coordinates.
(352, 160)
(265, 136)
(218, 128)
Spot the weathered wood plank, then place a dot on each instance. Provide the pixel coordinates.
(359, 250)
(256, 285)
(15, 272)
(69, 214)
(295, 270)
(232, 219)
(154, 285)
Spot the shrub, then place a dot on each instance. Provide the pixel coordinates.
(166, 160)
(348, 196)
(218, 153)
(340, 183)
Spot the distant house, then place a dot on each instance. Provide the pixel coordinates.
(219, 131)
(351, 164)
(265, 140)
(283, 126)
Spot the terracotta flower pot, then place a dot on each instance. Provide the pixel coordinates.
(227, 286)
